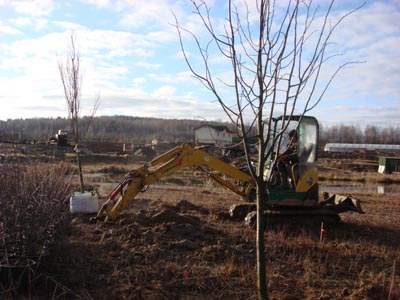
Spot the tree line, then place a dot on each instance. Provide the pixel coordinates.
(121, 129)
(354, 134)
(138, 130)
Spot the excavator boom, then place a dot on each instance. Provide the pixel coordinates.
(184, 156)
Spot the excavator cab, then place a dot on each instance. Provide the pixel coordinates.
(292, 174)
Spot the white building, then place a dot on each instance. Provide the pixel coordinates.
(218, 135)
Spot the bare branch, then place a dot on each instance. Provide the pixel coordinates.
(71, 79)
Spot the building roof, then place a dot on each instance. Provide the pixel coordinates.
(216, 127)
(387, 147)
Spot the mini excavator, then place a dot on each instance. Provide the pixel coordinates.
(299, 199)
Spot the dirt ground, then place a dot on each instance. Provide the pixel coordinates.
(177, 242)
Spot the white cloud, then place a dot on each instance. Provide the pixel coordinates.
(21, 21)
(68, 25)
(148, 66)
(367, 25)
(116, 43)
(138, 81)
(9, 30)
(24, 96)
(381, 114)
(146, 13)
(98, 3)
(33, 7)
(369, 36)
(164, 92)
(45, 46)
(182, 77)
(106, 71)
(41, 24)
(37, 58)
(148, 106)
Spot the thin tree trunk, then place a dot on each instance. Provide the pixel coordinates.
(72, 83)
(78, 161)
(260, 242)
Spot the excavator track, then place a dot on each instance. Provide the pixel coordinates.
(305, 216)
(326, 211)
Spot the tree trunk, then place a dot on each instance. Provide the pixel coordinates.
(78, 161)
(261, 260)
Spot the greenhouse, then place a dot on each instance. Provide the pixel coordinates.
(340, 147)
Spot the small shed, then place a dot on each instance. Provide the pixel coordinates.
(218, 135)
(389, 164)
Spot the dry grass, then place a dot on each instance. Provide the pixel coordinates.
(193, 252)
(360, 177)
(166, 248)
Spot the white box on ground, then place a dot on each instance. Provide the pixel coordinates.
(86, 202)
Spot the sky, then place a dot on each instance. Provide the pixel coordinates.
(131, 58)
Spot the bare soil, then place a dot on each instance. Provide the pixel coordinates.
(177, 242)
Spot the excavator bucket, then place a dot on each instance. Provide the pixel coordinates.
(341, 203)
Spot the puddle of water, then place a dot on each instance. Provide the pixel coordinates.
(108, 182)
(95, 175)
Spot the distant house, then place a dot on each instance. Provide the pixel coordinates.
(218, 135)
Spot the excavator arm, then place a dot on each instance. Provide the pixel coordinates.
(184, 156)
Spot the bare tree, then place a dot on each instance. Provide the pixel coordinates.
(71, 78)
(276, 53)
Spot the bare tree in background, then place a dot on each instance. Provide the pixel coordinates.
(276, 58)
(71, 78)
